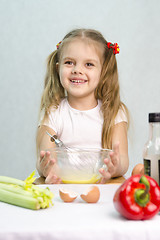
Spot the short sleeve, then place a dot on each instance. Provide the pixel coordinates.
(48, 121)
(121, 116)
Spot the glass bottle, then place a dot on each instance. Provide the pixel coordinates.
(151, 153)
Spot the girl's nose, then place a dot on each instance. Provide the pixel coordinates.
(77, 70)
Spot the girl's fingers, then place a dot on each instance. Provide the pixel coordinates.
(48, 167)
(58, 181)
(114, 156)
(109, 164)
(104, 180)
(106, 175)
(49, 179)
(46, 164)
(45, 159)
(52, 179)
(44, 156)
(114, 162)
(42, 153)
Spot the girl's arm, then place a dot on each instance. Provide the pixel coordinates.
(120, 136)
(119, 161)
(45, 164)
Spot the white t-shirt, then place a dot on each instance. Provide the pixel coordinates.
(81, 129)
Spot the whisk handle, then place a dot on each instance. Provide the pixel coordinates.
(57, 141)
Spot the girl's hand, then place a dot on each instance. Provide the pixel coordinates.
(112, 165)
(46, 165)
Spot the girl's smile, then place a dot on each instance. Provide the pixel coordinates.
(78, 81)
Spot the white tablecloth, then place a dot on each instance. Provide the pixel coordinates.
(75, 221)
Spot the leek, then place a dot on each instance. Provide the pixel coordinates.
(24, 193)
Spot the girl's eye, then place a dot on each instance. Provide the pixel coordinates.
(89, 64)
(68, 62)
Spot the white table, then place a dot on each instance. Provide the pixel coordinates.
(75, 221)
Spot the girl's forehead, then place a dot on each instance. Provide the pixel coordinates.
(86, 44)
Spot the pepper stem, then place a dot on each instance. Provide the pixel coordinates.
(142, 196)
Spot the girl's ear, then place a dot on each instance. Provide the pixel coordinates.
(57, 67)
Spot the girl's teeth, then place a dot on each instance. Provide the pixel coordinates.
(77, 81)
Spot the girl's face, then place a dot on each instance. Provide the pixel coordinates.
(80, 69)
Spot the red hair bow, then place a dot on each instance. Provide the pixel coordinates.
(58, 44)
(114, 46)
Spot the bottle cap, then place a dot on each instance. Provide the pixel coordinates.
(154, 117)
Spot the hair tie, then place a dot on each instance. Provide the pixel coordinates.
(58, 44)
(114, 46)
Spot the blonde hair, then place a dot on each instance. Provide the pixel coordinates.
(107, 90)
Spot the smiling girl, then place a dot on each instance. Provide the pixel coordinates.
(81, 103)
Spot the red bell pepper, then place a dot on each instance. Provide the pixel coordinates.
(138, 198)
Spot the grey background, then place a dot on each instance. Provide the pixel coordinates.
(30, 30)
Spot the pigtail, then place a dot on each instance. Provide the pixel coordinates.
(53, 90)
(109, 93)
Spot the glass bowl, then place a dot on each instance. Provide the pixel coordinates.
(79, 165)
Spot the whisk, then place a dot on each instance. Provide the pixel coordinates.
(63, 147)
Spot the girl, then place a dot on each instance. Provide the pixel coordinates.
(81, 103)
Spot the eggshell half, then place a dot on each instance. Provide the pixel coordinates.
(67, 195)
(92, 195)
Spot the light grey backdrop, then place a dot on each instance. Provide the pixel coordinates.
(30, 30)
